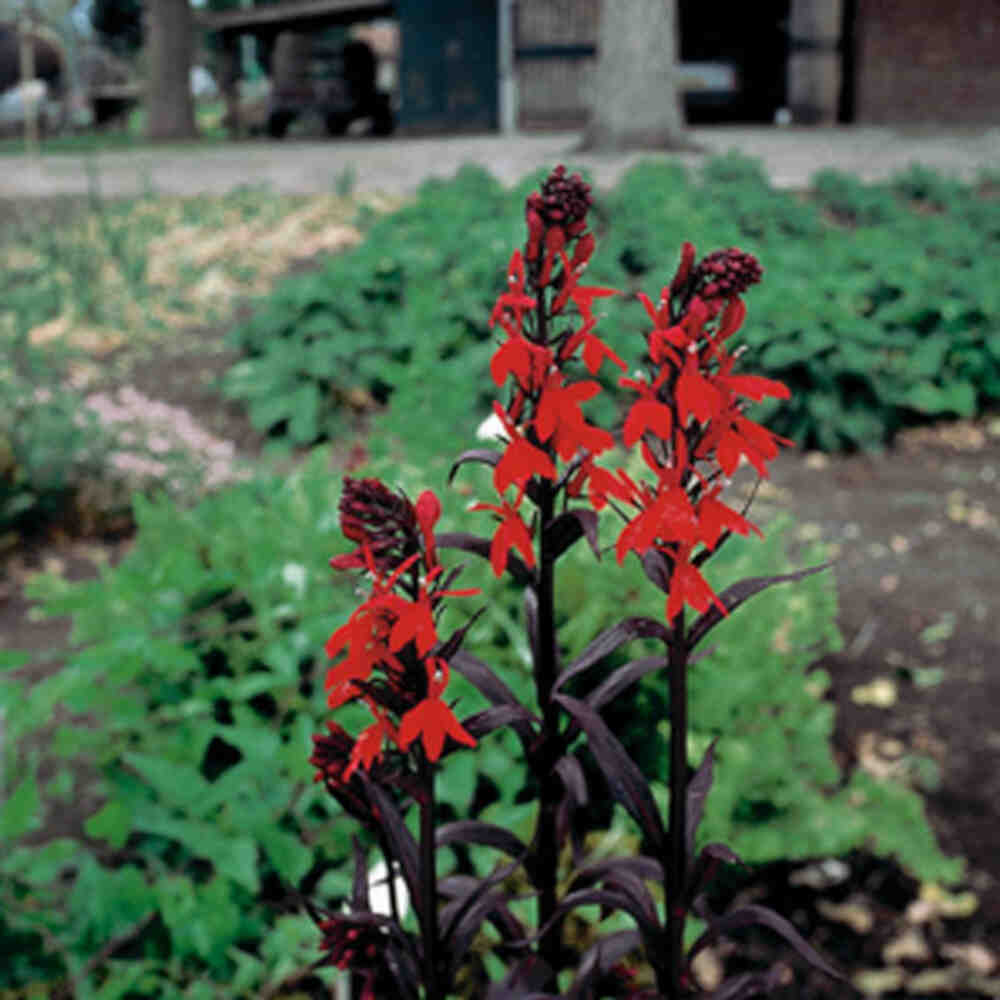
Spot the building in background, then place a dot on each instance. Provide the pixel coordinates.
(454, 65)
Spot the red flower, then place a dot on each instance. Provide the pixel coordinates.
(646, 414)
(527, 362)
(666, 515)
(715, 517)
(521, 460)
(512, 533)
(368, 745)
(428, 511)
(696, 395)
(688, 586)
(432, 720)
(595, 351)
(559, 417)
(515, 300)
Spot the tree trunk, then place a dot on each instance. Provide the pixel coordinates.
(634, 99)
(168, 100)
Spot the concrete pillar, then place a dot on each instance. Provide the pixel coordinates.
(814, 61)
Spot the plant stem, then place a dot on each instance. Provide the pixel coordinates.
(675, 865)
(546, 842)
(428, 875)
(547, 846)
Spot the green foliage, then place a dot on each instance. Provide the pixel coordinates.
(883, 313)
(402, 316)
(197, 664)
(49, 444)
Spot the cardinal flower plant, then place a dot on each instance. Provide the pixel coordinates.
(555, 474)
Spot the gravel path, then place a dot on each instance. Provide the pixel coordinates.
(397, 166)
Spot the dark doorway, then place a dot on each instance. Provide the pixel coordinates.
(749, 38)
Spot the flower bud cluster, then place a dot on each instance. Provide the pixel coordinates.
(726, 273)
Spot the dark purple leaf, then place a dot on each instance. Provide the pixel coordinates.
(650, 930)
(480, 546)
(470, 831)
(398, 838)
(657, 569)
(524, 981)
(447, 649)
(625, 780)
(609, 640)
(750, 984)
(490, 906)
(489, 719)
(599, 959)
(697, 791)
(359, 889)
(751, 914)
(640, 865)
(732, 597)
(568, 768)
(569, 527)
(484, 456)
(484, 678)
(703, 868)
(471, 890)
(623, 678)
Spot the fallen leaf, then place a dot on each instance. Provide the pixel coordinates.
(932, 981)
(910, 946)
(822, 875)
(875, 982)
(976, 956)
(854, 913)
(879, 693)
(708, 969)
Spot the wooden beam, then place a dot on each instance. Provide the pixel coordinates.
(289, 13)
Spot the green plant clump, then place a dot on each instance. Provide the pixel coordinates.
(159, 808)
(887, 313)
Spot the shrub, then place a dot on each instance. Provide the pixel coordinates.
(886, 316)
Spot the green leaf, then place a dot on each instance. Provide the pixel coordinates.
(177, 784)
(956, 397)
(112, 822)
(289, 855)
(22, 810)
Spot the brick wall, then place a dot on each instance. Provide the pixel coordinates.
(932, 61)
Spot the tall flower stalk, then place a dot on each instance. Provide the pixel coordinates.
(686, 419)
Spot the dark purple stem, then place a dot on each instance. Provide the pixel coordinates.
(428, 876)
(675, 863)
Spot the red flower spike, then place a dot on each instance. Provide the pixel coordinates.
(512, 533)
(521, 460)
